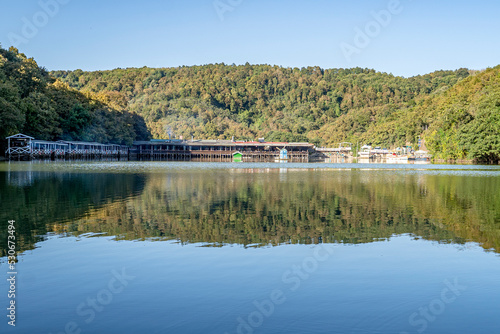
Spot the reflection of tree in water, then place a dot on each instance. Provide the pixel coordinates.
(251, 207)
(39, 200)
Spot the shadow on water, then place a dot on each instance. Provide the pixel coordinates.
(254, 207)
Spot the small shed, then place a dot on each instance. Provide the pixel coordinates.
(19, 145)
(237, 157)
(283, 154)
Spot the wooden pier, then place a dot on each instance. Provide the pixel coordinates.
(220, 150)
(22, 147)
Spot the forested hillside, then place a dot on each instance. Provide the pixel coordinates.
(462, 122)
(34, 103)
(465, 120)
(456, 112)
(250, 101)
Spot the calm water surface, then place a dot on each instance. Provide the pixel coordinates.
(124, 247)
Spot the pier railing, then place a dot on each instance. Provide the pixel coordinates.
(22, 147)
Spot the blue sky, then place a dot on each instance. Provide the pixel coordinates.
(418, 37)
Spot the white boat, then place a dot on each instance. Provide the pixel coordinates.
(365, 152)
(422, 156)
(397, 159)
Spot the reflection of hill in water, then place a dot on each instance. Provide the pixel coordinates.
(38, 200)
(252, 207)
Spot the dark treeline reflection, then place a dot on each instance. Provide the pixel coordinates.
(259, 207)
(40, 201)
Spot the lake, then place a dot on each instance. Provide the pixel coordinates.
(158, 247)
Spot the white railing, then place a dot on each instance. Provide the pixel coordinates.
(19, 150)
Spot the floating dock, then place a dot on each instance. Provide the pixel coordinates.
(220, 150)
(23, 147)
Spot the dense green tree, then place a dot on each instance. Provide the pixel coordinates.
(12, 117)
(456, 112)
(219, 101)
(34, 103)
(464, 121)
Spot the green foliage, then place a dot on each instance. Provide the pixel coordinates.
(34, 103)
(75, 121)
(455, 112)
(12, 118)
(465, 120)
(251, 101)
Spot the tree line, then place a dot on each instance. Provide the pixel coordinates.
(455, 112)
(34, 103)
(322, 106)
(281, 104)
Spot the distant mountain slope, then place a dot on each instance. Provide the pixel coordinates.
(34, 103)
(455, 112)
(250, 101)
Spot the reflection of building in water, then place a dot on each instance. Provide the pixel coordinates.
(283, 172)
(20, 179)
(27, 177)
